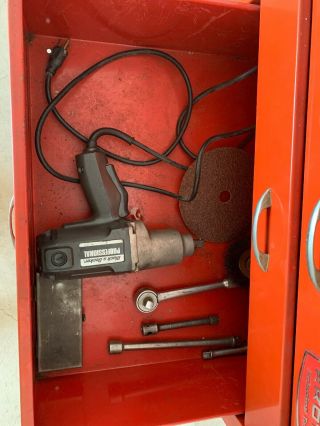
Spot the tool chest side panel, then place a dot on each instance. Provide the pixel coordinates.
(281, 104)
(305, 400)
(23, 212)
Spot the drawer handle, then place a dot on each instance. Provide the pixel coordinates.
(264, 203)
(11, 208)
(313, 271)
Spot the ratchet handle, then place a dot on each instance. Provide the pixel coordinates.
(165, 295)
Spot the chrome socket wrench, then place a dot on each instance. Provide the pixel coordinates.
(147, 300)
(154, 328)
(224, 352)
(117, 347)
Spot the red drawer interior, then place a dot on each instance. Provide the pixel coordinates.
(142, 96)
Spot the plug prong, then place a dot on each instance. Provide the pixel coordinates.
(66, 44)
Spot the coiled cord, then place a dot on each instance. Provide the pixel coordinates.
(57, 57)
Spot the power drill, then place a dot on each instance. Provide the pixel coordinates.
(107, 242)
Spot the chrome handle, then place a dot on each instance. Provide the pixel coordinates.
(313, 271)
(264, 203)
(181, 292)
(10, 213)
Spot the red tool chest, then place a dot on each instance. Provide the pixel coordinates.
(306, 389)
(214, 40)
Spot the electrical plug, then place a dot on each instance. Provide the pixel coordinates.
(57, 55)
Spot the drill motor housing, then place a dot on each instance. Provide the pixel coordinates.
(107, 242)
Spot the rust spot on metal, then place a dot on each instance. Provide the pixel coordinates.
(29, 37)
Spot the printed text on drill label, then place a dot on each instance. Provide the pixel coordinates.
(100, 243)
(97, 253)
(102, 260)
(102, 252)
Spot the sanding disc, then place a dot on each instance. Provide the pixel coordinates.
(221, 211)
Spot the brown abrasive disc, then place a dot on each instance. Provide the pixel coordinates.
(221, 210)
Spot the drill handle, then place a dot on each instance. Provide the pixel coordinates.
(105, 194)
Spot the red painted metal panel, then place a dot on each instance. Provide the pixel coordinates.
(307, 330)
(197, 388)
(163, 394)
(110, 311)
(223, 27)
(282, 88)
(138, 104)
(23, 200)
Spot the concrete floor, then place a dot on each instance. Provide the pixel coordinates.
(9, 373)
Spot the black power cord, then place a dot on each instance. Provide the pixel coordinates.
(205, 93)
(107, 131)
(57, 57)
(120, 55)
(180, 122)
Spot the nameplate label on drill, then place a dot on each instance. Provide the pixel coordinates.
(101, 252)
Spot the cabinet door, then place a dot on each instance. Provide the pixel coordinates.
(280, 138)
(306, 388)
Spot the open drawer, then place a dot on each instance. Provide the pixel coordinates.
(214, 41)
